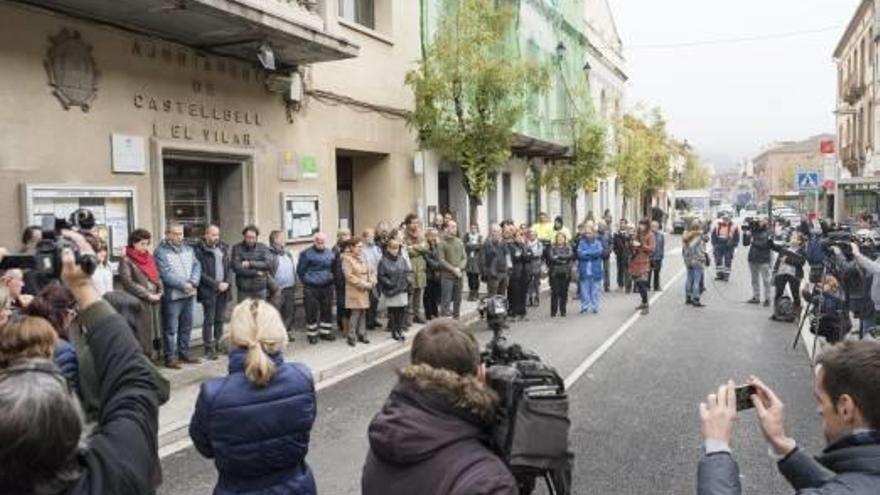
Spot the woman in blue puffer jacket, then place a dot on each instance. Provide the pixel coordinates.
(589, 254)
(256, 422)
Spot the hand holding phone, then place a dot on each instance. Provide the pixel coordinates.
(744, 395)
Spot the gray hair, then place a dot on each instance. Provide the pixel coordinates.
(42, 427)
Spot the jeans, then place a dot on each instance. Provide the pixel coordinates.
(533, 291)
(693, 286)
(589, 293)
(215, 313)
(317, 301)
(177, 322)
(450, 297)
(656, 266)
(760, 274)
(559, 293)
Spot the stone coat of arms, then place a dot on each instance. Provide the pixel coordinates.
(71, 70)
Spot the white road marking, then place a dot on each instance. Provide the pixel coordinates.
(185, 443)
(598, 353)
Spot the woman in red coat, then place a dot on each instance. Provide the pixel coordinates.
(640, 264)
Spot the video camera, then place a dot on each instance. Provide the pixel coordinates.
(532, 421)
(47, 258)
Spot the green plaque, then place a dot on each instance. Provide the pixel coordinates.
(309, 167)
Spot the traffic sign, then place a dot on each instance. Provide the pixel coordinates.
(807, 181)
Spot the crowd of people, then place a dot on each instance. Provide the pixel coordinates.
(79, 399)
(409, 273)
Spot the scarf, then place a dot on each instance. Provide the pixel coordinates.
(145, 262)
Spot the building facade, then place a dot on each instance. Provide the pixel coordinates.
(150, 112)
(856, 112)
(776, 168)
(578, 42)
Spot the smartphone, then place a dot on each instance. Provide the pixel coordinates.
(744, 395)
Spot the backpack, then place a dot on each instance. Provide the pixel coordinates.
(784, 310)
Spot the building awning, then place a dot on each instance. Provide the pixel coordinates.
(529, 147)
(233, 28)
(859, 184)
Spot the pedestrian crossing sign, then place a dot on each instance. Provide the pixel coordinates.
(807, 181)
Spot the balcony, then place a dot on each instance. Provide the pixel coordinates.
(853, 92)
(233, 28)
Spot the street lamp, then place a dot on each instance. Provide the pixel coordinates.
(560, 51)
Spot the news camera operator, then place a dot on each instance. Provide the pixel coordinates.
(871, 267)
(848, 401)
(40, 446)
(430, 435)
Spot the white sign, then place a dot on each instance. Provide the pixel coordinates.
(129, 154)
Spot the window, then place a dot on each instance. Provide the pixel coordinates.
(362, 12)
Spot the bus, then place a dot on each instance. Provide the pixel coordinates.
(690, 205)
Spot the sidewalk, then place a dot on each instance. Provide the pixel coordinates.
(329, 362)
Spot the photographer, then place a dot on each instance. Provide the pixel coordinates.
(789, 272)
(871, 267)
(849, 403)
(759, 260)
(42, 421)
(430, 435)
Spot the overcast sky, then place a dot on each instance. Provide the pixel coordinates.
(730, 99)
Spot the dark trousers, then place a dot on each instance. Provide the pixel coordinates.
(606, 272)
(793, 284)
(516, 296)
(623, 279)
(251, 295)
(396, 318)
(177, 322)
(559, 293)
(533, 289)
(641, 284)
(431, 299)
(319, 316)
(656, 266)
(473, 284)
(373, 312)
(450, 297)
(283, 302)
(723, 262)
(342, 314)
(214, 309)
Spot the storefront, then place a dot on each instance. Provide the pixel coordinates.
(856, 196)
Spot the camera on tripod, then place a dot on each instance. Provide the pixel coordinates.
(532, 421)
(46, 259)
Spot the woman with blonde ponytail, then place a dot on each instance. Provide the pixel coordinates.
(267, 403)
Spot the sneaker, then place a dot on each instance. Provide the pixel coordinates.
(363, 339)
(698, 304)
(754, 300)
(189, 360)
(350, 341)
(766, 303)
(173, 365)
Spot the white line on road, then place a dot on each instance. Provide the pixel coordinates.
(598, 353)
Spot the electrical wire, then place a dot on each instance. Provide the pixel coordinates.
(734, 40)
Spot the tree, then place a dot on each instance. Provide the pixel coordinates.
(696, 175)
(587, 163)
(643, 152)
(470, 92)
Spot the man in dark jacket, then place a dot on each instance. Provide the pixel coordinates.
(253, 264)
(43, 417)
(622, 241)
(315, 270)
(213, 291)
(494, 262)
(453, 261)
(432, 434)
(658, 254)
(759, 260)
(849, 403)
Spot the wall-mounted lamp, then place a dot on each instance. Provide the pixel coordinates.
(266, 56)
(560, 51)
